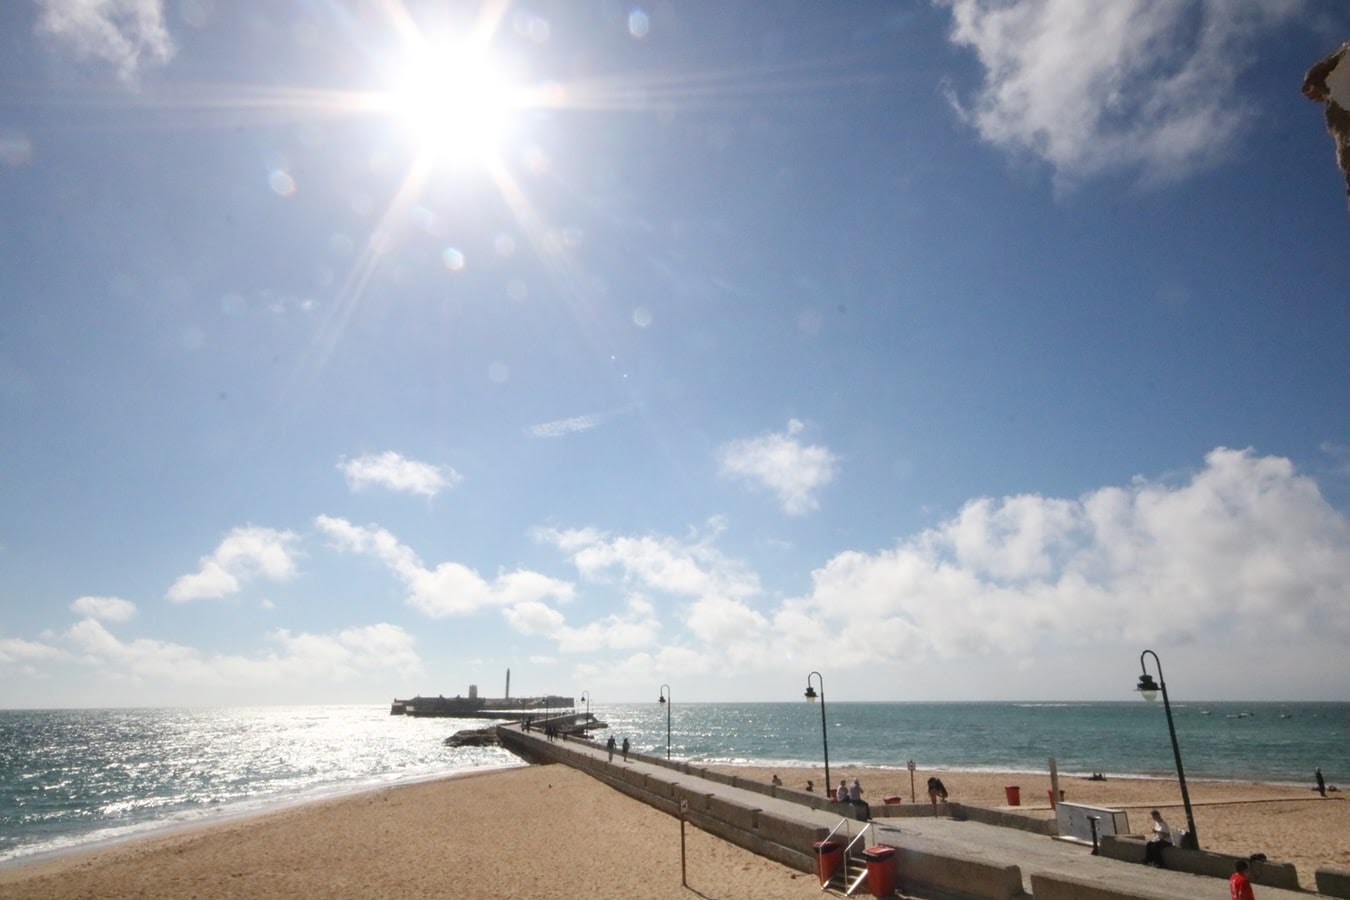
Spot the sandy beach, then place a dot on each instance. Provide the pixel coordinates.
(540, 831)
(549, 831)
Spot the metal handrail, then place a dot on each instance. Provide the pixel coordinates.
(848, 848)
(848, 854)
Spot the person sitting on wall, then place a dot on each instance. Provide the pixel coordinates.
(810, 786)
(855, 793)
(777, 782)
(1161, 837)
(841, 792)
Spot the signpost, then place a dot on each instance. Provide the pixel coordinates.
(911, 782)
(684, 810)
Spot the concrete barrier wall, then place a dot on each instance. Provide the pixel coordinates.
(786, 841)
(1130, 848)
(919, 870)
(695, 796)
(1333, 882)
(750, 784)
(1062, 887)
(720, 778)
(1003, 818)
(790, 832)
(737, 814)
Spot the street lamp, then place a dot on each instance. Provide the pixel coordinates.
(1149, 688)
(824, 735)
(586, 698)
(665, 701)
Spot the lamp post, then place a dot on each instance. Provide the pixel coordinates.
(665, 701)
(586, 698)
(824, 734)
(1150, 689)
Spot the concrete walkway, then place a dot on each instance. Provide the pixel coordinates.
(1032, 853)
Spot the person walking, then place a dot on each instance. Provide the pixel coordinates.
(609, 745)
(625, 749)
(1239, 887)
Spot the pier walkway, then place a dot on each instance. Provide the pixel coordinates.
(943, 857)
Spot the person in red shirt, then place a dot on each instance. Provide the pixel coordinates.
(1238, 885)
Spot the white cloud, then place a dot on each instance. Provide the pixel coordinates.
(245, 553)
(396, 473)
(577, 424)
(781, 463)
(719, 588)
(636, 626)
(127, 34)
(1246, 550)
(107, 609)
(17, 651)
(563, 427)
(1132, 85)
(347, 655)
(450, 589)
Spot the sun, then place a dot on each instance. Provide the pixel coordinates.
(455, 102)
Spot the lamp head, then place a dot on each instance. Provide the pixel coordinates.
(810, 694)
(1147, 686)
(661, 699)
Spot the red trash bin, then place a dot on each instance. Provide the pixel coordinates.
(1051, 794)
(880, 870)
(1014, 793)
(828, 856)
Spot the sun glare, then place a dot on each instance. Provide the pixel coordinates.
(455, 102)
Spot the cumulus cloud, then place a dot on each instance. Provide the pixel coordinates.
(1245, 550)
(107, 609)
(17, 651)
(449, 589)
(345, 655)
(636, 626)
(245, 553)
(1132, 85)
(784, 465)
(395, 472)
(716, 590)
(128, 35)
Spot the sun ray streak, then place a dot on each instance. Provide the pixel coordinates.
(349, 297)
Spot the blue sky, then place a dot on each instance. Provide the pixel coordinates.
(957, 350)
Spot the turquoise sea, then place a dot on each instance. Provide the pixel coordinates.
(73, 778)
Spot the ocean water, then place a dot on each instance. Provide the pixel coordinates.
(74, 778)
(1277, 742)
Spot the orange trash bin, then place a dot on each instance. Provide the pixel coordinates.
(880, 870)
(1014, 793)
(828, 856)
